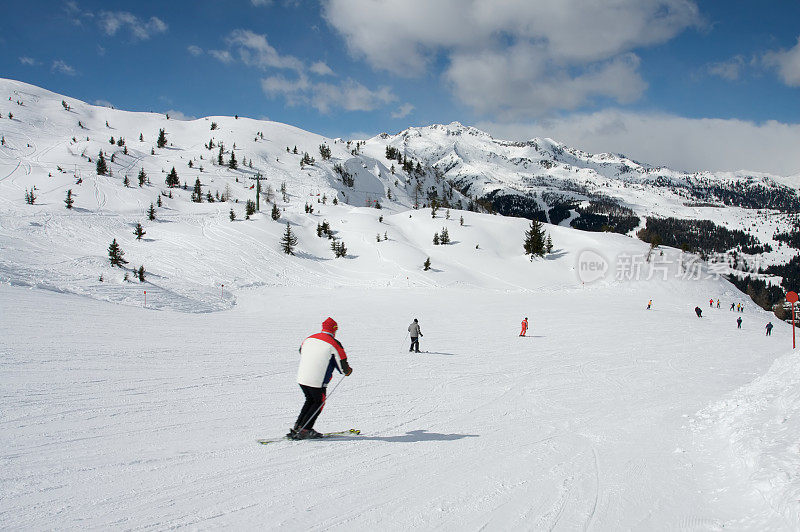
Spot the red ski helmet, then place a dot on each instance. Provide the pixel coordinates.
(329, 326)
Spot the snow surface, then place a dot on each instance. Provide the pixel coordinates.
(119, 415)
(122, 417)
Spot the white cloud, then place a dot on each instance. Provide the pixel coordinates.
(403, 111)
(104, 103)
(787, 63)
(254, 50)
(259, 3)
(195, 50)
(321, 69)
(576, 47)
(519, 81)
(62, 68)
(222, 55)
(730, 69)
(28, 61)
(677, 142)
(113, 21)
(348, 95)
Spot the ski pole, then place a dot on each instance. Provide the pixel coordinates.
(327, 396)
(404, 341)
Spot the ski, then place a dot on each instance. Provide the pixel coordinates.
(348, 432)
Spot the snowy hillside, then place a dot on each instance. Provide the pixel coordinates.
(123, 412)
(190, 250)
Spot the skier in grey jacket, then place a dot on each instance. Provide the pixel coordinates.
(415, 333)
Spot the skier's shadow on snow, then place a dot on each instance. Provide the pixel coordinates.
(437, 353)
(410, 437)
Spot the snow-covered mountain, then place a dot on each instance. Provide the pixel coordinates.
(51, 144)
(127, 409)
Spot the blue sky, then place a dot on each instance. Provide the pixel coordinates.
(695, 85)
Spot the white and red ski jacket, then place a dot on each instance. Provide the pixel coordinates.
(320, 354)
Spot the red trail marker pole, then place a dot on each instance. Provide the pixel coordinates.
(791, 297)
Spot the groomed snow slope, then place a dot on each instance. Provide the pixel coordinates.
(122, 417)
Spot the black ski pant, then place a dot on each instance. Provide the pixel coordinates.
(414, 344)
(315, 398)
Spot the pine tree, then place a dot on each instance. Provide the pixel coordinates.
(139, 231)
(232, 215)
(288, 241)
(140, 274)
(250, 208)
(151, 212)
(197, 194)
(115, 254)
(172, 178)
(232, 164)
(159, 202)
(434, 207)
(435, 239)
(427, 264)
(142, 177)
(324, 152)
(30, 197)
(69, 200)
(445, 238)
(534, 239)
(276, 212)
(219, 157)
(102, 168)
(141, 137)
(126, 181)
(548, 246)
(162, 139)
(461, 220)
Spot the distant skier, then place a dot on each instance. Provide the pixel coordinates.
(415, 333)
(739, 322)
(711, 302)
(733, 305)
(320, 354)
(769, 329)
(717, 303)
(698, 311)
(524, 326)
(649, 304)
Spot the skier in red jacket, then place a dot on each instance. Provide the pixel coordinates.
(320, 354)
(524, 326)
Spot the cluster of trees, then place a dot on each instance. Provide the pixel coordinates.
(702, 236)
(347, 178)
(306, 160)
(441, 238)
(764, 295)
(607, 216)
(747, 195)
(789, 271)
(324, 152)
